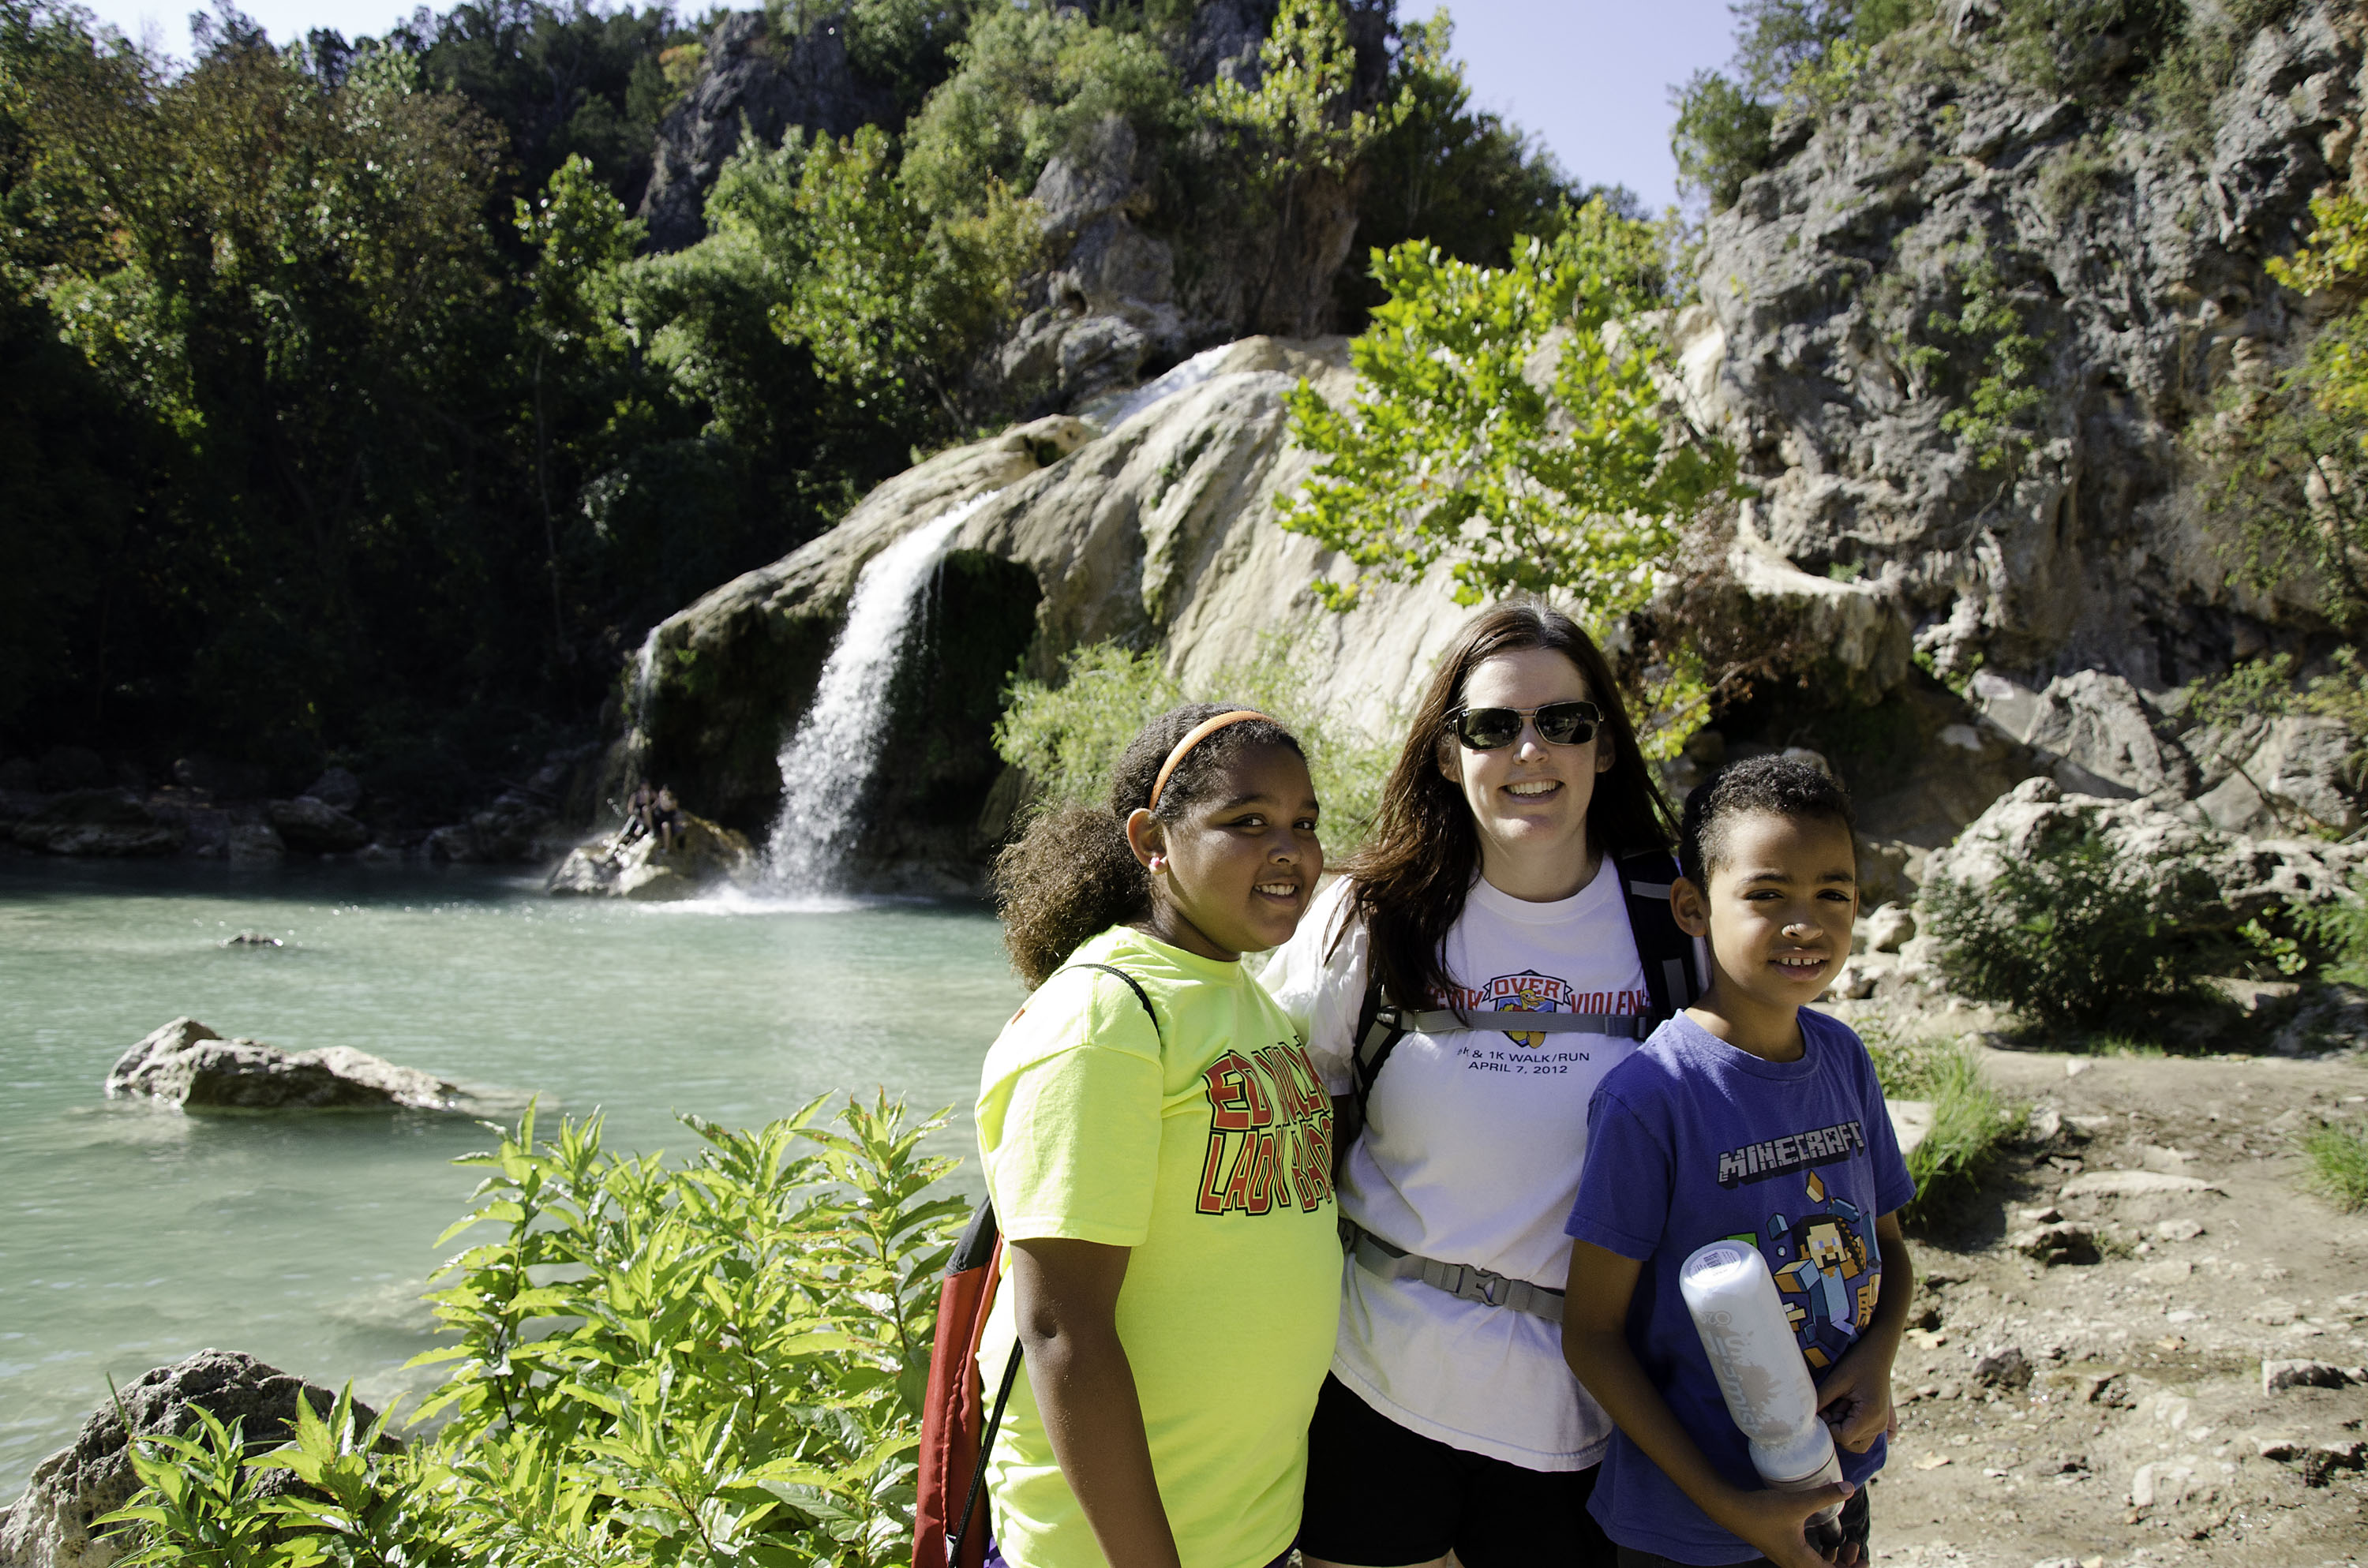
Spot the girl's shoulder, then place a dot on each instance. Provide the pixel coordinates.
(1104, 996)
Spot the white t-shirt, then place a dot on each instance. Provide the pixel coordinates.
(1473, 1144)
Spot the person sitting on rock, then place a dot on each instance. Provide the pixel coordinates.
(637, 814)
(637, 820)
(665, 814)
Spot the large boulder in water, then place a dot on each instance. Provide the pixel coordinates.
(99, 823)
(188, 1064)
(49, 1525)
(704, 856)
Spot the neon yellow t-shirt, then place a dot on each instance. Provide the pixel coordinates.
(1206, 1147)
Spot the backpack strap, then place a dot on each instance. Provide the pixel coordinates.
(1131, 984)
(978, 1244)
(1672, 961)
(1380, 1024)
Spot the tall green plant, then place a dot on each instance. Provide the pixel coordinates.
(715, 1364)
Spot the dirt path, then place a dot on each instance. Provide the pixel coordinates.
(2132, 1427)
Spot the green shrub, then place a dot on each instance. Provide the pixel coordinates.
(2076, 933)
(2337, 928)
(721, 1363)
(1067, 736)
(1969, 1118)
(2338, 1164)
(1720, 138)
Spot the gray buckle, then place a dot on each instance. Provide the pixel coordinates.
(1488, 1283)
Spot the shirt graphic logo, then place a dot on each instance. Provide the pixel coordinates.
(1269, 1133)
(1826, 1277)
(1529, 992)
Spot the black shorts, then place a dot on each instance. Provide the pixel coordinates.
(1856, 1522)
(1380, 1497)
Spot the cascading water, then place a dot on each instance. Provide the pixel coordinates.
(1116, 410)
(827, 766)
(645, 671)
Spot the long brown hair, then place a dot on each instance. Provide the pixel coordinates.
(1411, 877)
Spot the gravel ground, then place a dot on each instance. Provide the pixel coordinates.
(2085, 1383)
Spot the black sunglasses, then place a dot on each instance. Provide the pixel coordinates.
(1560, 723)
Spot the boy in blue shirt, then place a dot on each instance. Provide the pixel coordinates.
(1746, 1117)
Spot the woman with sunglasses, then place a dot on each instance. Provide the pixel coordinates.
(1450, 1422)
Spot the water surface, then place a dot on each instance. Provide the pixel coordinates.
(130, 1236)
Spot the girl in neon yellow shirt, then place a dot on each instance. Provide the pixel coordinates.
(1159, 1154)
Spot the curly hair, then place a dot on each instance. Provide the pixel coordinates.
(1410, 880)
(1776, 785)
(1072, 875)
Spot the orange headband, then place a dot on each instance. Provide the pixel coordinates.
(1198, 732)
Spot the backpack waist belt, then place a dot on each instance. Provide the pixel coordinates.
(1459, 1280)
(1629, 1026)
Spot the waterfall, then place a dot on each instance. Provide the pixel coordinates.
(828, 763)
(1115, 410)
(646, 672)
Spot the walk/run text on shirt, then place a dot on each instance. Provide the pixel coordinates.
(1269, 1133)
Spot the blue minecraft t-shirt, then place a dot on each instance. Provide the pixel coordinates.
(1689, 1142)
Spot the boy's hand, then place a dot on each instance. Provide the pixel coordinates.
(1775, 1523)
(1855, 1398)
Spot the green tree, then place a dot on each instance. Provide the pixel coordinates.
(1513, 421)
(567, 80)
(292, 282)
(1033, 83)
(1787, 53)
(1444, 172)
(885, 295)
(581, 239)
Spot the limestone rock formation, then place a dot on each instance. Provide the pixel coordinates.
(1111, 304)
(1159, 530)
(336, 789)
(767, 85)
(187, 1064)
(99, 823)
(50, 1525)
(705, 857)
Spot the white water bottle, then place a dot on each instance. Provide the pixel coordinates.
(1741, 1319)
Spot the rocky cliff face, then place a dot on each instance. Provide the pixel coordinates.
(754, 83)
(1967, 625)
(2068, 591)
(1129, 285)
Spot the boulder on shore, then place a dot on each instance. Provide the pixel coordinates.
(49, 1525)
(103, 822)
(188, 1064)
(312, 826)
(703, 855)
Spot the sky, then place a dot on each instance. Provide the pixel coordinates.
(1588, 78)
